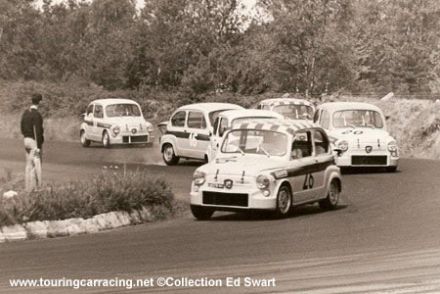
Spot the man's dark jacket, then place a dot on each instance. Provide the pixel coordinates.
(32, 126)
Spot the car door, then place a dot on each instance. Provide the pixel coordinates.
(199, 134)
(177, 127)
(98, 118)
(88, 120)
(322, 158)
(302, 160)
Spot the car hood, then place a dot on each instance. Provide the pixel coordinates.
(361, 134)
(252, 165)
(129, 121)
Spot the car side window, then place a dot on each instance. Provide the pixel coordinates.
(325, 119)
(98, 111)
(178, 119)
(89, 110)
(302, 145)
(316, 116)
(196, 120)
(216, 125)
(223, 127)
(321, 143)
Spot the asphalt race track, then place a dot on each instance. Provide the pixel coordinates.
(384, 238)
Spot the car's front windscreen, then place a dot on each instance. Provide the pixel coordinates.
(357, 118)
(294, 111)
(125, 109)
(249, 141)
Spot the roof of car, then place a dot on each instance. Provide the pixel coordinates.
(285, 126)
(108, 101)
(336, 106)
(210, 106)
(233, 114)
(284, 101)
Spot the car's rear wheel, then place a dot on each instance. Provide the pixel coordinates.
(106, 140)
(169, 156)
(284, 202)
(201, 213)
(82, 138)
(332, 199)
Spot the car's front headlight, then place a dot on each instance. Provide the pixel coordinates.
(150, 128)
(263, 182)
(116, 130)
(342, 145)
(392, 146)
(199, 178)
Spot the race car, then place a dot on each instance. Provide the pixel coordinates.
(115, 121)
(187, 133)
(289, 108)
(227, 119)
(359, 134)
(268, 165)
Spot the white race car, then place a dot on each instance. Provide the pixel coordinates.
(289, 108)
(269, 165)
(187, 133)
(228, 119)
(115, 121)
(358, 132)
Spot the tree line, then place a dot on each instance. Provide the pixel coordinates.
(203, 46)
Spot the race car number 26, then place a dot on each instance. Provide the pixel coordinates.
(308, 182)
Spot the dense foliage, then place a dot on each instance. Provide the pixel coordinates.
(105, 193)
(203, 46)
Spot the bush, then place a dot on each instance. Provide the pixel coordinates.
(107, 192)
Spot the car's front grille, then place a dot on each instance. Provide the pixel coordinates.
(225, 199)
(368, 160)
(134, 139)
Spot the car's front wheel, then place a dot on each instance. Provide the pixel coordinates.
(332, 199)
(284, 202)
(168, 155)
(82, 138)
(106, 140)
(201, 213)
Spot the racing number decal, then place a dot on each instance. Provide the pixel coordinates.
(193, 140)
(308, 182)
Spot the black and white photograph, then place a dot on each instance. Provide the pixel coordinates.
(220, 146)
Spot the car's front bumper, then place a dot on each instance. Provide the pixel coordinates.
(363, 159)
(233, 200)
(142, 138)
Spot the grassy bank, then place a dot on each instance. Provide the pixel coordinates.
(107, 192)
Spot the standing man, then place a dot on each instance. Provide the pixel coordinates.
(32, 130)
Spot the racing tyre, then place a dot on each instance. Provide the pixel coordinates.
(332, 199)
(168, 155)
(82, 138)
(284, 202)
(201, 213)
(106, 140)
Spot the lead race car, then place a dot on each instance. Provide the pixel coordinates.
(359, 133)
(115, 121)
(269, 165)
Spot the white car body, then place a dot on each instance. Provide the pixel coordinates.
(362, 141)
(189, 129)
(228, 119)
(115, 121)
(290, 108)
(233, 180)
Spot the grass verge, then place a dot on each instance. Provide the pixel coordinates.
(106, 192)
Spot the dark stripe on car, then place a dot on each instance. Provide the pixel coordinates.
(293, 172)
(185, 135)
(104, 125)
